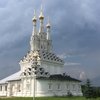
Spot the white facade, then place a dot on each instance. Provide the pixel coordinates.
(41, 71)
(25, 88)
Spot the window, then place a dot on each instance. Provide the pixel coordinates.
(67, 86)
(41, 46)
(50, 86)
(18, 88)
(73, 86)
(28, 87)
(79, 87)
(0, 88)
(58, 87)
(6, 88)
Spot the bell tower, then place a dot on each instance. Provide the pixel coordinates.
(40, 40)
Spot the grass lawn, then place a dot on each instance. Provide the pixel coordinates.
(47, 98)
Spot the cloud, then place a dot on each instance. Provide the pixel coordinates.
(71, 64)
(74, 70)
(71, 53)
(82, 75)
(62, 56)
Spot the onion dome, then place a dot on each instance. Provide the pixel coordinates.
(41, 16)
(34, 19)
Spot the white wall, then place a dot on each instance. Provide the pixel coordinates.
(3, 92)
(41, 88)
(52, 68)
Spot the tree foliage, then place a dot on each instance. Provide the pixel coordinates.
(90, 91)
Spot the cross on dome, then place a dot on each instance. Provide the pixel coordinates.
(34, 18)
(41, 16)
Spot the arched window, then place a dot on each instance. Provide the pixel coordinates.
(50, 86)
(18, 88)
(67, 86)
(58, 87)
(41, 47)
(74, 87)
(6, 88)
(28, 87)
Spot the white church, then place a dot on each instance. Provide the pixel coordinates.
(41, 71)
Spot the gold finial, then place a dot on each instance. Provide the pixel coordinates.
(41, 13)
(34, 18)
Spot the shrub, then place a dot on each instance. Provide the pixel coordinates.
(69, 94)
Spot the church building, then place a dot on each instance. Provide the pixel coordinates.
(41, 71)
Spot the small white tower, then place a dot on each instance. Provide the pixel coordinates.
(48, 29)
(34, 19)
(40, 40)
(34, 42)
(41, 18)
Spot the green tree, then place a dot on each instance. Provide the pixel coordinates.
(88, 90)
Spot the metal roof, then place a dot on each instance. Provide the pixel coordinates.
(60, 77)
(15, 76)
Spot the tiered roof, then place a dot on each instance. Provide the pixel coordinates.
(43, 56)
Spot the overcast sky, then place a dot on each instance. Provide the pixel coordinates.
(75, 33)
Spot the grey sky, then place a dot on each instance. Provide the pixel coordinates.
(75, 33)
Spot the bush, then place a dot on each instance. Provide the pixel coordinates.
(69, 94)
